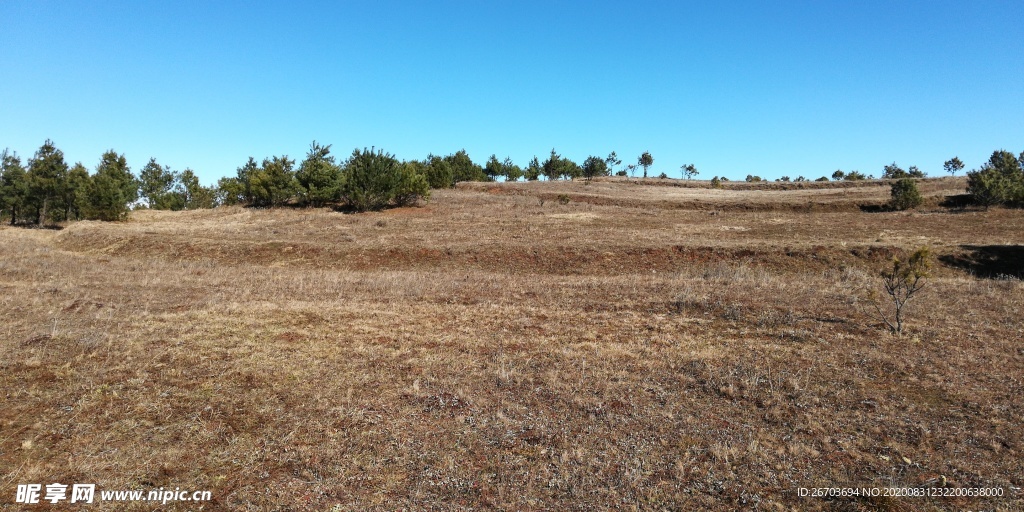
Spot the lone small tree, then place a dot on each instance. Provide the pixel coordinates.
(689, 170)
(901, 284)
(953, 165)
(645, 160)
(612, 161)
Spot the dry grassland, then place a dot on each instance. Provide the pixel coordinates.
(638, 347)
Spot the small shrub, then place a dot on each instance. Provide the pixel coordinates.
(905, 195)
(662, 176)
(716, 182)
(901, 284)
(563, 199)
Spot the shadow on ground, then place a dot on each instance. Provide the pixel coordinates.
(989, 261)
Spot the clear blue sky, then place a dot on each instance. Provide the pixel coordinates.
(759, 87)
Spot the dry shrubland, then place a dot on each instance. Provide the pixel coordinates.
(636, 347)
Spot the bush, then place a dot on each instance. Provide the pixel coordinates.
(905, 195)
(999, 181)
(372, 180)
(894, 172)
(716, 182)
(318, 176)
(438, 172)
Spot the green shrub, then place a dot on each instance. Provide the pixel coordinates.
(372, 180)
(438, 172)
(318, 176)
(905, 195)
(999, 181)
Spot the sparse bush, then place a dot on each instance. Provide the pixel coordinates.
(901, 284)
(893, 172)
(823, 178)
(662, 176)
(754, 179)
(854, 176)
(716, 182)
(563, 199)
(905, 195)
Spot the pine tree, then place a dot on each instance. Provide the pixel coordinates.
(13, 186)
(318, 176)
(47, 179)
(112, 189)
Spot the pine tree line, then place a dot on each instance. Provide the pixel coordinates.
(46, 190)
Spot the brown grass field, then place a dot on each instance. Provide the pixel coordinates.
(619, 345)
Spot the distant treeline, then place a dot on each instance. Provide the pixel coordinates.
(47, 190)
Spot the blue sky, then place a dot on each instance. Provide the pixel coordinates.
(737, 88)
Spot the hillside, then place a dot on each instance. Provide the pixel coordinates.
(529, 346)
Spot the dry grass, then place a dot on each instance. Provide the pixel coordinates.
(496, 349)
